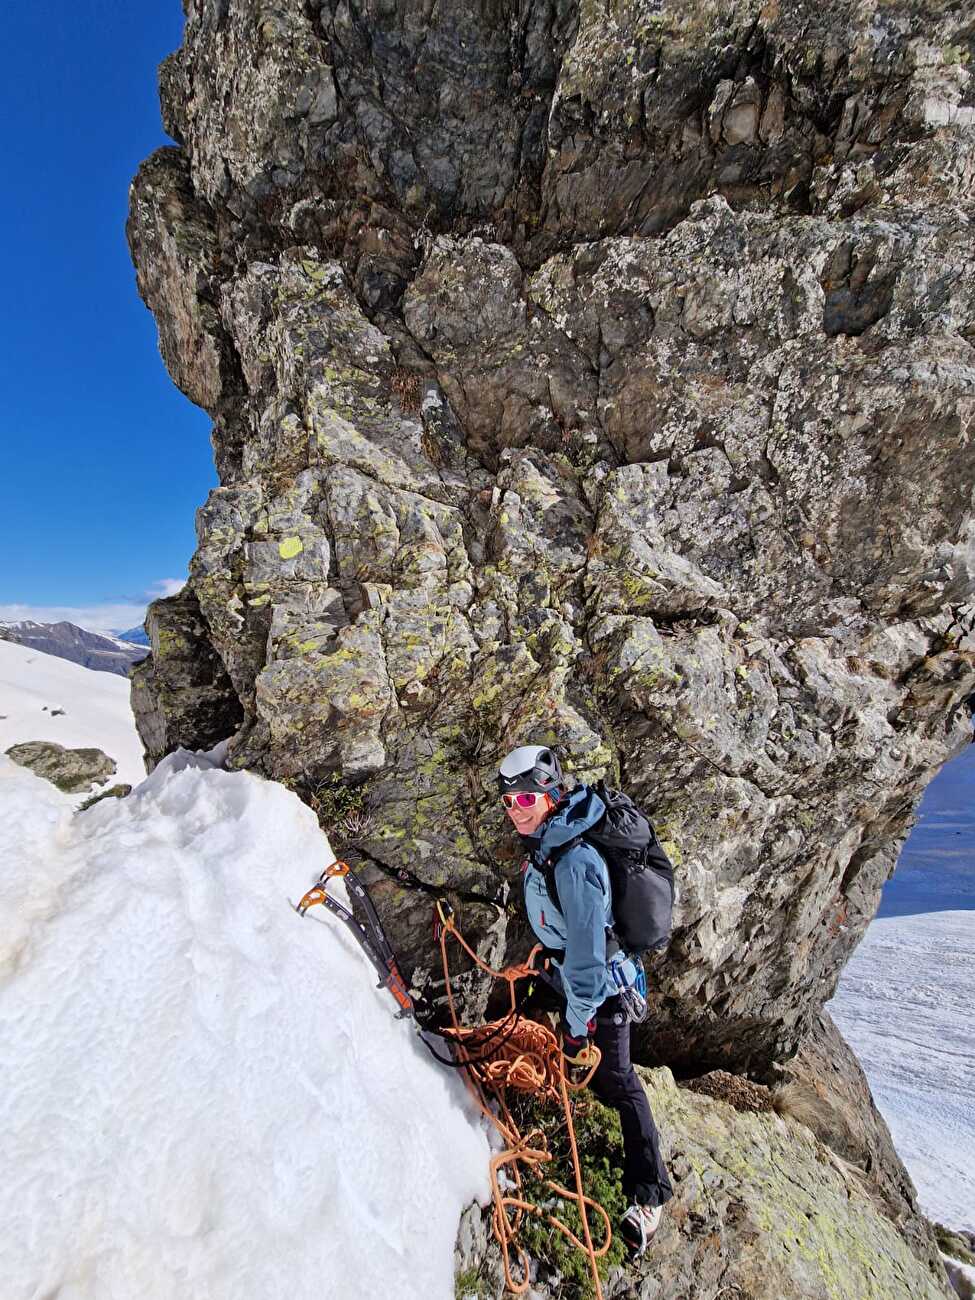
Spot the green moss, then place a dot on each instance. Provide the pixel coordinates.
(168, 643)
(482, 698)
(463, 844)
(950, 1243)
(338, 806)
(438, 764)
(470, 1284)
(314, 270)
(672, 849)
(639, 595)
(601, 1157)
(391, 832)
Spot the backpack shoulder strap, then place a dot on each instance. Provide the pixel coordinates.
(551, 862)
(561, 850)
(548, 870)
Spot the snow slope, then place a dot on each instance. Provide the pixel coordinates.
(905, 1005)
(96, 708)
(966, 1271)
(201, 1093)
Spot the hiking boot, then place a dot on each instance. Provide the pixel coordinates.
(639, 1225)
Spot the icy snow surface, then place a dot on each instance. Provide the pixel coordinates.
(201, 1093)
(96, 707)
(966, 1270)
(905, 1005)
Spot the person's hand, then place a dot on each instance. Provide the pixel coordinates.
(538, 958)
(579, 1056)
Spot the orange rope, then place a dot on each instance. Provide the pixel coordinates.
(526, 1058)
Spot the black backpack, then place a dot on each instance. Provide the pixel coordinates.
(640, 873)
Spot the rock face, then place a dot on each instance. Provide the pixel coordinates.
(827, 1091)
(760, 1209)
(182, 696)
(74, 771)
(592, 375)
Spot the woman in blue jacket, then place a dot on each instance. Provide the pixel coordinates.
(572, 929)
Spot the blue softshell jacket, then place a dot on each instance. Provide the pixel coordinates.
(579, 926)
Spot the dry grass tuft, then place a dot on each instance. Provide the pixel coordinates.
(793, 1101)
(734, 1089)
(405, 385)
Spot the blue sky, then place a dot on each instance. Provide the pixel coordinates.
(104, 460)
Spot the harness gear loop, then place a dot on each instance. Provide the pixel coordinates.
(527, 1059)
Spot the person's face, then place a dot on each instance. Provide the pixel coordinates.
(527, 820)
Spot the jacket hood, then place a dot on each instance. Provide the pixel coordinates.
(574, 815)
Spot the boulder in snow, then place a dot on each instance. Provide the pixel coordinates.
(72, 770)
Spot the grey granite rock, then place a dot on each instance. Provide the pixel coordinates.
(761, 1208)
(592, 376)
(181, 694)
(824, 1088)
(75, 771)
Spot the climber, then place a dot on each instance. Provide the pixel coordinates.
(584, 970)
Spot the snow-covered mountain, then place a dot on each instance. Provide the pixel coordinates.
(905, 1005)
(106, 654)
(203, 1093)
(134, 636)
(46, 698)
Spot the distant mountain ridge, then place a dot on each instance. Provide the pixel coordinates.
(95, 650)
(134, 636)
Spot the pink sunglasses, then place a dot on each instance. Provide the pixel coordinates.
(524, 799)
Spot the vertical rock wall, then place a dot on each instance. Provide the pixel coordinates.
(599, 374)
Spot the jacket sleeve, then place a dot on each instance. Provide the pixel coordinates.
(583, 904)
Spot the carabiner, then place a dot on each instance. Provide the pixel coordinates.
(444, 917)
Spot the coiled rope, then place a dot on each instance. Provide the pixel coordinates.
(526, 1058)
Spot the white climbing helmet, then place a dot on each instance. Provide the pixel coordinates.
(531, 767)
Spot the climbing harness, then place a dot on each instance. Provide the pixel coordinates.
(633, 997)
(513, 1053)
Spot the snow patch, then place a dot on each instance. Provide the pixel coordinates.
(97, 708)
(204, 1094)
(904, 1004)
(965, 1271)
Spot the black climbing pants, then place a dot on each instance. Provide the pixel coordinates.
(645, 1178)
